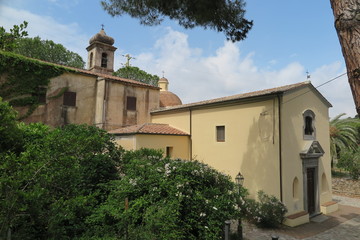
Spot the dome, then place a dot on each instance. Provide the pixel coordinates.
(169, 99)
(102, 37)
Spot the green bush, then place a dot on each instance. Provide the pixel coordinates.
(350, 161)
(268, 212)
(167, 199)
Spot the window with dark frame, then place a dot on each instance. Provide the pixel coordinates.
(309, 125)
(69, 99)
(104, 60)
(220, 133)
(131, 103)
(91, 59)
(169, 151)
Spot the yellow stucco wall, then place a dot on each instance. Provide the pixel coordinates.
(126, 142)
(179, 144)
(251, 140)
(293, 107)
(251, 143)
(179, 120)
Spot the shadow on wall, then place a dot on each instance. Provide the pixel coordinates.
(260, 162)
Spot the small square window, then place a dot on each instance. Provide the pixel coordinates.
(220, 133)
(69, 99)
(131, 103)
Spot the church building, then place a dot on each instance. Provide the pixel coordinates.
(278, 138)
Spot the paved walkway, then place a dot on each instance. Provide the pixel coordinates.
(343, 224)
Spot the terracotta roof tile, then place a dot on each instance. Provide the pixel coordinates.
(149, 128)
(242, 96)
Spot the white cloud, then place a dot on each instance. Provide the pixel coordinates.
(46, 27)
(194, 77)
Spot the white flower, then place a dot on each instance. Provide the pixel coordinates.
(202, 214)
(132, 182)
(215, 208)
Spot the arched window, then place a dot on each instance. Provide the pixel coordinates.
(296, 188)
(104, 60)
(91, 59)
(309, 125)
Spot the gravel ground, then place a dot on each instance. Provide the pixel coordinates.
(346, 187)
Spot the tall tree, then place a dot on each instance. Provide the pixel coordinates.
(48, 50)
(347, 24)
(9, 40)
(221, 15)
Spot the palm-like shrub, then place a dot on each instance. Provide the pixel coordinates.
(344, 135)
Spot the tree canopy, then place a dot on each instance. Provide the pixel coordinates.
(225, 16)
(135, 73)
(48, 50)
(9, 40)
(58, 177)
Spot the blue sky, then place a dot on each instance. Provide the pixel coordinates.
(288, 38)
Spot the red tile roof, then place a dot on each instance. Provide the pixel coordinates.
(244, 96)
(149, 128)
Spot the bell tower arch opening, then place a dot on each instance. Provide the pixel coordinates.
(101, 53)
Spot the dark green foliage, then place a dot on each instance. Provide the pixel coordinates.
(268, 212)
(10, 135)
(59, 178)
(137, 74)
(344, 133)
(221, 15)
(9, 40)
(350, 161)
(344, 136)
(167, 199)
(49, 51)
(24, 78)
(73, 182)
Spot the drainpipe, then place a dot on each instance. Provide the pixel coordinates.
(190, 118)
(106, 97)
(280, 151)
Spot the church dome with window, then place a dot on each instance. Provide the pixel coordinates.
(167, 98)
(102, 37)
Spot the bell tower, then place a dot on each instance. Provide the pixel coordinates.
(101, 53)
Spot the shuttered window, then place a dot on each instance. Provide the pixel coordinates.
(220, 133)
(69, 99)
(131, 103)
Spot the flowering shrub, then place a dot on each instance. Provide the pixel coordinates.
(268, 212)
(167, 199)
